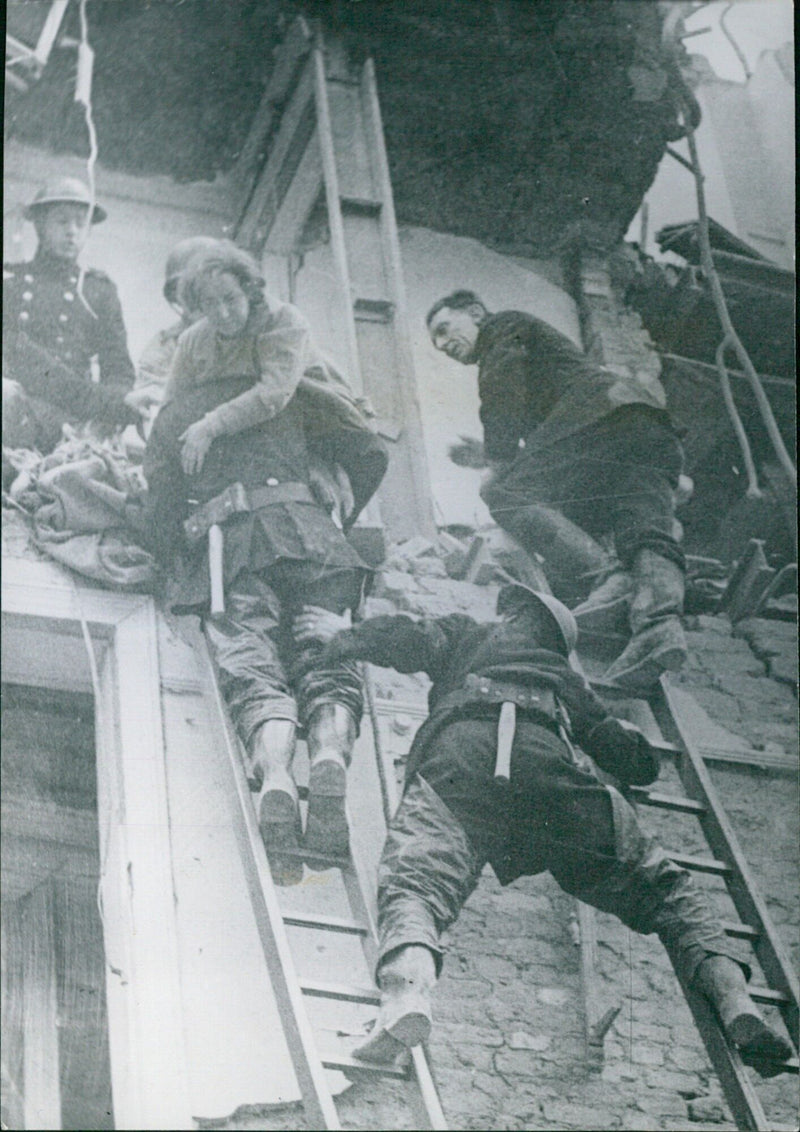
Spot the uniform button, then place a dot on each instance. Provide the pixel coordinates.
(68, 295)
(27, 296)
(73, 279)
(60, 340)
(68, 354)
(63, 318)
(272, 482)
(28, 278)
(24, 316)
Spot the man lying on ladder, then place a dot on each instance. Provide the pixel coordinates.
(245, 538)
(492, 777)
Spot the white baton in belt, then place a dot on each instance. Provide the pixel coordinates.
(506, 725)
(215, 569)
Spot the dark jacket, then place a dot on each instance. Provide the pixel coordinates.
(41, 299)
(450, 649)
(536, 386)
(275, 452)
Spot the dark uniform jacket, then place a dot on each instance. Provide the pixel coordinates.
(534, 384)
(273, 453)
(50, 338)
(466, 659)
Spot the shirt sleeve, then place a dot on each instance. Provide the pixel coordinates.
(403, 644)
(43, 375)
(155, 362)
(282, 352)
(503, 388)
(116, 367)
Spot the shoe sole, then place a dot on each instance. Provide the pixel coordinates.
(280, 828)
(327, 831)
(758, 1044)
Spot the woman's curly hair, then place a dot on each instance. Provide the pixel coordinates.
(224, 258)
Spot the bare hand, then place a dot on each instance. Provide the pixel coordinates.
(143, 399)
(317, 624)
(197, 440)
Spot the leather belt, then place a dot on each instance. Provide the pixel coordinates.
(541, 701)
(485, 690)
(236, 498)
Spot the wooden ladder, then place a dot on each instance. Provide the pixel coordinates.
(310, 1060)
(659, 716)
(318, 138)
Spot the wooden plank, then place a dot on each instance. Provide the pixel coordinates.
(342, 992)
(671, 802)
(323, 923)
(42, 1094)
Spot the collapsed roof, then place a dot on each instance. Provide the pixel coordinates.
(529, 125)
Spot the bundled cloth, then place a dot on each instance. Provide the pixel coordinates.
(85, 504)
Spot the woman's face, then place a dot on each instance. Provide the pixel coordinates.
(223, 302)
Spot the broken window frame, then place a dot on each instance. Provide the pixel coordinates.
(149, 1070)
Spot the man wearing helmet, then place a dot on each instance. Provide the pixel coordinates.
(492, 777)
(57, 318)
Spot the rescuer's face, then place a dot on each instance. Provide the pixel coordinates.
(223, 302)
(455, 333)
(62, 230)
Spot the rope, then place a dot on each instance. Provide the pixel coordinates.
(83, 94)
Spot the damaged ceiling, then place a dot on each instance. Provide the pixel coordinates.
(530, 125)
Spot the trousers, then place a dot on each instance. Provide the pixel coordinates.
(553, 815)
(264, 674)
(615, 477)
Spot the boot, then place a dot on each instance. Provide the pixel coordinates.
(330, 737)
(722, 982)
(658, 643)
(572, 557)
(606, 609)
(271, 754)
(406, 980)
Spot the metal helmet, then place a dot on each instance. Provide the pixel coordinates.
(64, 190)
(178, 260)
(558, 615)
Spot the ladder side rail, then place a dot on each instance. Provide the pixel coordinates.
(412, 412)
(723, 842)
(744, 1102)
(297, 122)
(317, 1100)
(424, 1101)
(294, 49)
(333, 200)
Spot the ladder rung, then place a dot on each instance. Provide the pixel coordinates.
(741, 931)
(353, 1066)
(342, 992)
(373, 310)
(767, 995)
(360, 206)
(701, 864)
(317, 861)
(324, 923)
(667, 801)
